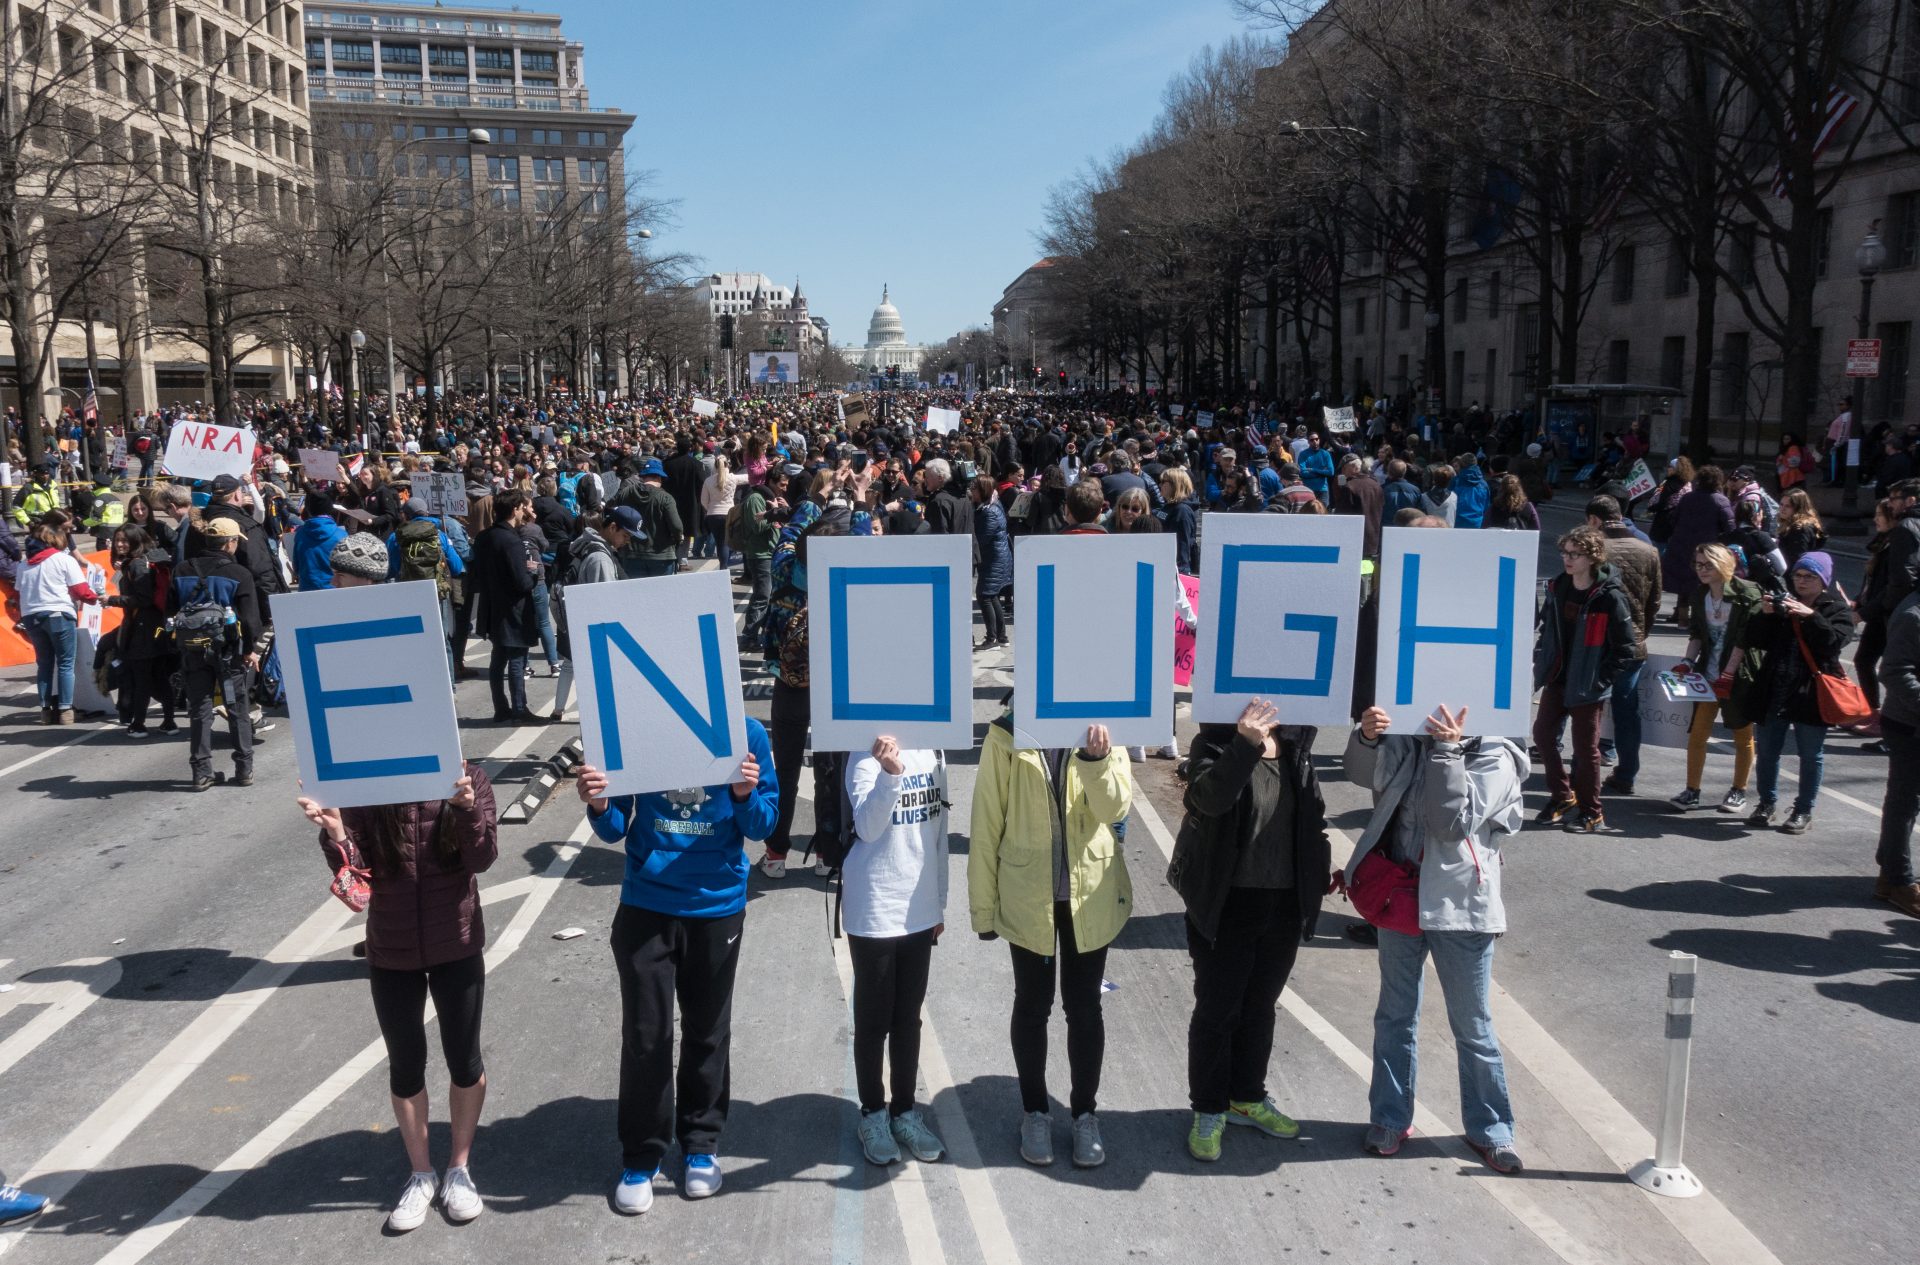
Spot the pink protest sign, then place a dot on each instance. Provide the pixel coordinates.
(1183, 636)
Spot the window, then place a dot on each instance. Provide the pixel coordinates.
(503, 170)
(1493, 305)
(1405, 319)
(1822, 242)
(1903, 230)
(1733, 376)
(493, 58)
(539, 63)
(1890, 388)
(1619, 369)
(1359, 316)
(1487, 392)
(317, 50)
(1673, 361)
(549, 171)
(1679, 275)
(453, 57)
(593, 171)
(590, 138)
(1462, 290)
(344, 52)
(506, 198)
(1623, 265)
(508, 135)
(1456, 379)
(1740, 247)
(400, 54)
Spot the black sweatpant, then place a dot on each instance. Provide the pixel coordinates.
(889, 987)
(1237, 979)
(661, 958)
(1033, 986)
(459, 990)
(791, 714)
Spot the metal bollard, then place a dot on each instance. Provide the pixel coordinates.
(1664, 1174)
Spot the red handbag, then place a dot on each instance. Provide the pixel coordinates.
(1386, 893)
(351, 885)
(1841, 702)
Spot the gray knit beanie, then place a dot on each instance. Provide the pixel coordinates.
(360, 555)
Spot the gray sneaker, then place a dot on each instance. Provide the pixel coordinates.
(1087, 1150)
(1036, 1138)
(876, 1139)
(1735, 800)
(911, 1132)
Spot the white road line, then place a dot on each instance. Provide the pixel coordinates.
(976, 1185)
(1507, 1193)
(175, 1216)
(57, 748)
(63, 998)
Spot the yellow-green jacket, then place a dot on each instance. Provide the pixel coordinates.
(1010, 857)
(33, 501)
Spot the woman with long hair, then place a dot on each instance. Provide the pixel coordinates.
(1177, 516)
(995, 567)
(716, 502)
(1509, 508)
(1800, 630)
(1701, 516)
(425, 937)
(1800, 528)
(52, 587)
(1715, 648)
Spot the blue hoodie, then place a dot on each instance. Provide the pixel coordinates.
(686, 850)
(313, 543)
(1470, 486)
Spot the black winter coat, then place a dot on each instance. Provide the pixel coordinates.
(505, 586)
(1219, 824)
(1786, 682)
(1604, 642)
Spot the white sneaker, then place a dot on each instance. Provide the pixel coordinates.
(634, 1194)
(876, 1139)
(416, 1198)
(773, 866)
(822, 869)
(1137, 755)
(459, 1198)
(702, 1177)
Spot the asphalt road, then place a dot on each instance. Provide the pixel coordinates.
(189, 1062)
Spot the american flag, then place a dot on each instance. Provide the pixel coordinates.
(1318, 277)
(1407, 219)
(1840, 104)
(90, 406)
(1613, 191)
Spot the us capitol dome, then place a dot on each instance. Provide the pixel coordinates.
(886, 342)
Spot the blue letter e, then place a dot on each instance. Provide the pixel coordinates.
(321, 700)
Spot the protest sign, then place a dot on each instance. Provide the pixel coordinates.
(1185, 637)
(1690, 688)
(1177, 410)
(1203, 419)
(440, 493)
(1640, 480)
(1094, 639)
(1456, 627)
(890, 630)
(6, 474)
(1339, 420)
(704, 408)
(118, 461)
(321, 464)
(659, 673)
(853, 411)
(943, 420)
(207, 450)
(369, 694)
(1279, 616)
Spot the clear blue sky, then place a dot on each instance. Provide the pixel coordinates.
(856, 142)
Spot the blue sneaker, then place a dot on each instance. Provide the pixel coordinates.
(17, 1205)
(703, 1176)
(634, 1194)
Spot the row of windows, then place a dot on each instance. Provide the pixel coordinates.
(359, 52)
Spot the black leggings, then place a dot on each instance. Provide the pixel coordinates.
(1237, 980)
(400, 1004)
(1033, 979)
(994, 616)
(889, 986)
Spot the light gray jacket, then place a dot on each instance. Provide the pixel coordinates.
(1470, 794)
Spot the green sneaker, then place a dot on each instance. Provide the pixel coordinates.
(1203, 1140)
(1264, 1116)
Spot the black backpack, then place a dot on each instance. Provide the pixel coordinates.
(200, 631)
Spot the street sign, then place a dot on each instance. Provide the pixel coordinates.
(1863, 357)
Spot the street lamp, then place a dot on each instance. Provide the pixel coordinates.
(1869, 257)
(359, 341)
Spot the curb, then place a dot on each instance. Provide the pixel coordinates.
(541, 788)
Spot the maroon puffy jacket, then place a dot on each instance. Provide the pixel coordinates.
(426, 914)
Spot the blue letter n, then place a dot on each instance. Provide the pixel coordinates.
(1413, 632)
(711, 729)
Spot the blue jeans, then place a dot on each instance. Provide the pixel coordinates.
(53, 638)
(543, 611)
(642, 568)
(1626, 723)
(1770, 739)
(1464, 962)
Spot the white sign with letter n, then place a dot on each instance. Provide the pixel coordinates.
(1456, 627)
(1094, 642)
(369, 694)
(889, 634)
(206, 450)
(659, 671)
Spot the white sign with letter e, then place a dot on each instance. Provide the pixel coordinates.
(1456, 628)
(1094, 642)
(659, 672)
(206, 450)
(369, 695)
(889, 625)
(1279, 616)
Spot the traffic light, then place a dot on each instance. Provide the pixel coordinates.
(893, 371)
(726, 333)
(1063, 379)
